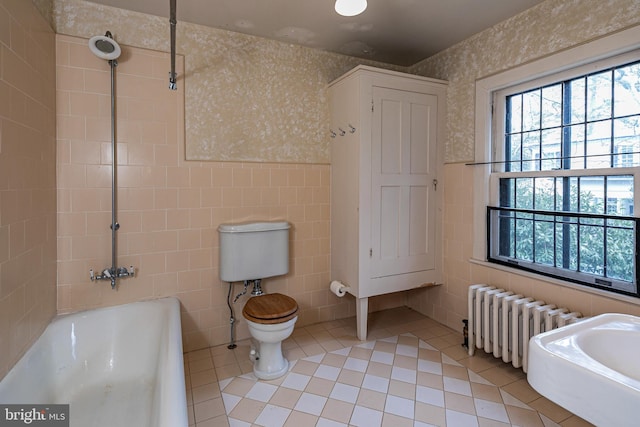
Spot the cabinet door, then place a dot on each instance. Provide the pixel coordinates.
(403, 169)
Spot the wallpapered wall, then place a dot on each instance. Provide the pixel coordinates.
(550, 27)
(246, 98)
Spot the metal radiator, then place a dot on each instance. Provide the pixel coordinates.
(501, 322)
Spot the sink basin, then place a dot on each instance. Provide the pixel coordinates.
(591, 368)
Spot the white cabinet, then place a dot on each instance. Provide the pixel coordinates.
(386, 148)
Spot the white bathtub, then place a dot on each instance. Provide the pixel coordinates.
(115, 366)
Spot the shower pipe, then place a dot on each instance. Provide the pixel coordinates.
(172, 22)
(113, 63)
(107, 48)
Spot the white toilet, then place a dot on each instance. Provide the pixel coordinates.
(251, 252)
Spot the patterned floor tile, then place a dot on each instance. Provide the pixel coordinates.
(418, 380)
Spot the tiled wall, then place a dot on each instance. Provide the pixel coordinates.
(169, 208)
(549, 27)
(27, 178)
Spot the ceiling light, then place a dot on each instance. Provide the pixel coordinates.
(350, 7)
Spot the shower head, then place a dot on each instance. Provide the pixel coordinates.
(104, 47)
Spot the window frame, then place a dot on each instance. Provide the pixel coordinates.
(500, 171)
(587, 58)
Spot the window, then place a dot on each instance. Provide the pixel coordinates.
(564, 175)
(625, 156)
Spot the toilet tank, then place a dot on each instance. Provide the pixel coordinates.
(253, 250)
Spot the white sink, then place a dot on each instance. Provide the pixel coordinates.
(591, 368)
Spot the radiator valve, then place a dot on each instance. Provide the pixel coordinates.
(465, 333)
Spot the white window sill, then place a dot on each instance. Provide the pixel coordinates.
(566, 284)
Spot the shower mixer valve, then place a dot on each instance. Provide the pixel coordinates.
(112, 274)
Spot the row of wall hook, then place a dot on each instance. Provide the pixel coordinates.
(341, 131)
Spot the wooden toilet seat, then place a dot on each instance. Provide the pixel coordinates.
(270, 309)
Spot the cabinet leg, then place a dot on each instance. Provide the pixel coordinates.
(362, 310)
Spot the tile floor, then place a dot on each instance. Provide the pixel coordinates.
(411, 371)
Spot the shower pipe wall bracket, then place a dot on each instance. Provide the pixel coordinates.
(112, 274)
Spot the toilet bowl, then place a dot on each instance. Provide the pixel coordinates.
(271, 318)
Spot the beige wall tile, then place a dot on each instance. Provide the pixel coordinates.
(27, 179)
